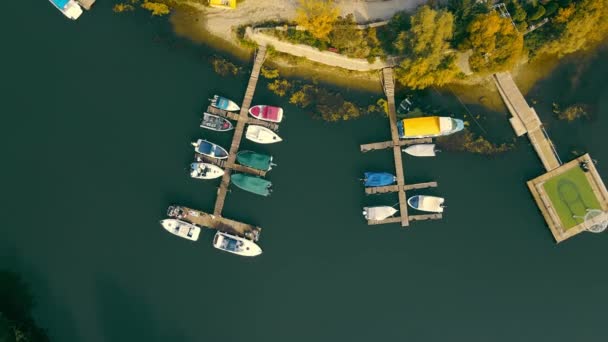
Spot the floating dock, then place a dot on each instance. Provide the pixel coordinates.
(525, 120)
(205, 220)
(86, 4)
(388, 84)
(250, 120)
(222, 163)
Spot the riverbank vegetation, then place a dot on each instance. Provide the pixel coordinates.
(16, 304)
(570, 113)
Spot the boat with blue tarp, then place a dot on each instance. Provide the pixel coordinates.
(69, 8)
(379, 179)
(224, 103)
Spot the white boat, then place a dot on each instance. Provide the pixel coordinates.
(236, 245)
(69, 8)
(421, 150)
(181, 229)
(378, 213)
(224, 103)
(261, 135)
(209, 149)
(205, 171)
(426, 203)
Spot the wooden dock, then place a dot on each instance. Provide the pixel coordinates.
(397, 219)
(242, 119)
(205, 220)
(250, 120)
(86, 4)
(388, 144)
(222, 163)
(394, 188)
(525, 120)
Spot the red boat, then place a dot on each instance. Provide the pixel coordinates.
(267, 113)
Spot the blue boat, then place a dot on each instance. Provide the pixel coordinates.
(224, 103)
(379, 179)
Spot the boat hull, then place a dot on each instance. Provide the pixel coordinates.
(210, 149)
(267, 113)
(224, 103)
(216, 123)
(255, 160)
(261, 135)
(430, 204)
(428, 127)
(182, 229)
(421, 150)
(373, 179)
(236, 245)
(378, 213)
(205, 171)
(255, 185)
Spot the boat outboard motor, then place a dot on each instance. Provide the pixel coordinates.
(584, 166)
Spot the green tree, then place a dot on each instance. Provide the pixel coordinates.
(317, 17)
(496, 44)
(539, 12)
(428, 60)
(346, 37)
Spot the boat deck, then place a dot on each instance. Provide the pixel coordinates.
(222, 224)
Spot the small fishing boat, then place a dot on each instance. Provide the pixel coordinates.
(210, 149)
(261, 135)
(182, 229)
(267, 113)
(216, 123)
(421, 150)
(205, 171)
(405, 106)
(378, 213)
(428, 127)
(236, 245)
(69, 8)
(255, 160)
(256, 185)
(224, 103)
(426, 203)
(378, 179)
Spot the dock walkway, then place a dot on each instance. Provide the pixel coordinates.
(525, 120)
(250, 120)
(205, 220)
(239, 129)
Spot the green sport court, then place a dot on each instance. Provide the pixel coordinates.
(571, 196)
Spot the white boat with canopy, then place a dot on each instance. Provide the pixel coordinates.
(182, 229)
(426, 203)
(421, 150)
(261, 135)
(378, 213)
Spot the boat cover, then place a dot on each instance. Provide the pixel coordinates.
(210, 149)
(256, 185)
(378, 213)
(421, 150)
(266, 112)
(424, 126)
(254, 160)
(60, 3)
(379, 179)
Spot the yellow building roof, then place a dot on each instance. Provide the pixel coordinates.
(428, 125)
(223, 3)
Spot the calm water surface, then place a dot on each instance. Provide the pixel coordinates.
(98, 116)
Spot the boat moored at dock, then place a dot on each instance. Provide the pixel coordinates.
(428, 127)
(267, 113)
(182, 229)
(378, 179)
(224, 103)
(210, 149)
(379, 213)
(255, 160)
(421, 150)
(261, 135)
(69, 8)
(236, 245)
(205, 171)
(426, 203)
(256, 185)
(216, 123)
(405, 106)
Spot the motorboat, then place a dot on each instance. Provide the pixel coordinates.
(405, 106)
(267, 113)
(426, 203)
(255, 160)
(421, 150)
(428, 127)
(236, 245)
(182, 229)
(378, 213)
(205, 171)
(378, 179)
(256, 185)
(210, 149)
(224, 103)
(69, 8)
(261, 135)
(216, 123)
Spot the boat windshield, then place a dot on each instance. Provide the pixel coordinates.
(204, 148)
(231, 244)
(414, 201)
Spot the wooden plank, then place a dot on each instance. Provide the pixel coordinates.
(396, 219)
(388, 144)
(222, 224)
(417, 186)
(394, 188)
(436, 216)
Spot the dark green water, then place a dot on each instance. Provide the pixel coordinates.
(94, 155)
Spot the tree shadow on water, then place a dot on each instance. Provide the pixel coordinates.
(127, 316)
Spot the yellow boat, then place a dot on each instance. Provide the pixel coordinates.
(428, 127)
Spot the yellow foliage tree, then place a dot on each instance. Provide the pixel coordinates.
(156, 8)
(119, 8)
(317, 17)
(426, 46)
(496, 43)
